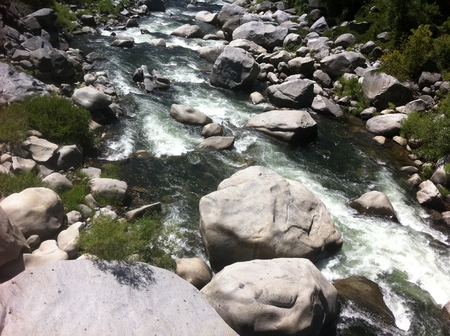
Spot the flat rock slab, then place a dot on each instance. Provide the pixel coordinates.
(290, 126)
(289, 296)
(258, 214)
(101, 298)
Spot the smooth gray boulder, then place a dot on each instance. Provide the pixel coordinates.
(258, 214)
(217, 143)
(91, 99)
(41, 150)
(12, 241)
(141, 211)
(293, 126)
(387, 125)
(212, 129)
(286, 296)
(428, 79)
(105, 298)
(264, 34)
(320, 26)
(67, 239)
(207, 17)
(195, 271)
(188, 115)
(323, 105)
(322, 79)
(210, 53)
(35, 211)
(382, 89)
(293, 94)
(302, 65)
(429, 196)
(123, 41)
(188, 31)
(109, 189)
(229, 12)
(257, 98)
(19, 164)
(249, 46)
(57, 182)
(16, 86)
(374, 203)
(417, 105)
(70, 156)
(234, 69)
(345, 40)
(337, 65)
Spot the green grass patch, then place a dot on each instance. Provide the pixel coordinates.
(10, 183)
(75, 196)
(147, 240)
(13, 125)
(110, 170)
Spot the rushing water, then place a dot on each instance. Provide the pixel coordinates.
(410, 260)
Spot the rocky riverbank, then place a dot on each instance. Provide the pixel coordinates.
(282, 220)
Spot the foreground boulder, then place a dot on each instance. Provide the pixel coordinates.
(374, 203)
(297, 93)
(217, 143)
(382, 89)
(35, 211)
(102, 298)
(258, 214)
(273, 297)
(292, 126)
(234, 69)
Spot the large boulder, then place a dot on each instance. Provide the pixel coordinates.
(382, 89)
(264, 34)
(91, 99)
(207, 17)
(188, 115)
(320, 26)
(297, 93)
(234, 69)
(323, 105)
(429, 196)
(41, 150)
(217, 143)
(12, 240)
(274, 297)
(210, 53)
(229, 12)
(195, 271)
(387, 125)
(337, 65)
(189, 31)
(292, 126)
(258, 214)
(374, 203)
(105, 298)
(16, 86)
(37, 211)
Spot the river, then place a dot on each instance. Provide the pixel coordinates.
(410, 260)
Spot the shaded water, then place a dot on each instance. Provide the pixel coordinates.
(410, 260)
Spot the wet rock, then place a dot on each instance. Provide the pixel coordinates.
(374, 203)
(195, 271)
(217, 143)
(188, 115)
(212, 129)
(258, 214)
(189, 31)
(366, 295)
(293, 292)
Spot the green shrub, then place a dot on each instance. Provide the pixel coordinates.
(10, 183)
(353, 89)
(59, 120)
(146, 240)
(65, 17)
(107, 7)
(13, 124)
(110, 170)
(444, 192)
(427, 172)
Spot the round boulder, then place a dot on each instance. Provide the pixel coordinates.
(35, 211)
(189, 115)
(387, 125)
(273, 297)
(91, 99)
(258, 214)
(374, 203)
(195, 271)
(11, 239)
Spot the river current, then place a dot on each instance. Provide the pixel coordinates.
(410, 260)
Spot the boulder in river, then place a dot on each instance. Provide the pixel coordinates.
(293, 126)
(286, 296)
(234, 69)
(217, 143)
(105, 298)
(188, 115)
(189, 31)
(374, 203)
(258, 214)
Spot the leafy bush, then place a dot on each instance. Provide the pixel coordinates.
(58, 119)
(353, 89)
(65, 17)
(146, 240)
(13, 124)
(10, 183)
(107, 7)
